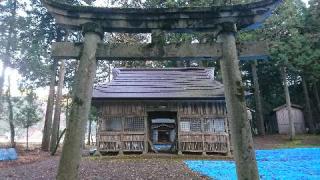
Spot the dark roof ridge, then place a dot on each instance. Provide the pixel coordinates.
(162, 69)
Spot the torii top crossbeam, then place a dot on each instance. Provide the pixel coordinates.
(188, 19)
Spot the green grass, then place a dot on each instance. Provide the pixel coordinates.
(302, 141)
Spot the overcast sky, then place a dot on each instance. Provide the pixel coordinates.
(306, 1)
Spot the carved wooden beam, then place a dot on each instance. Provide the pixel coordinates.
(246, 51)
(138, 20)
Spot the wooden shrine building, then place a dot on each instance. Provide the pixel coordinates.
(172, 110)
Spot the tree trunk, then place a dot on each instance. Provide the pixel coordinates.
(316, 94)
(4, 67)
(28, 122)
(81, 101)
(58, 142)
(308, 106)
(67, 111)
(244, 153)
(27, 138)
(10, 107)
(288, 103)
(89, 132)
(48, 118)
(49, 112)
(91, 139)
(110, 71)
(57, 112)
(259, 111)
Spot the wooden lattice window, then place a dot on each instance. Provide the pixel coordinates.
(208, 125)
(112, 124)
(190, 124)
(214, 125)
(219, 125)
(134, 124)
(185, 126)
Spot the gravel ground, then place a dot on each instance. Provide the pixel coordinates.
(119, 169)
(38, 165)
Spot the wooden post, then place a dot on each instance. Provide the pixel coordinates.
(81, 102)
(146, 135)
(98, 130)
(202, 136)
(121, 136)
(178, 133)
(242, 141)
(257, 97)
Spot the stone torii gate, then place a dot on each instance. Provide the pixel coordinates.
(223, 20)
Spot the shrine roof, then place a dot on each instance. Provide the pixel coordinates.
(169, 83)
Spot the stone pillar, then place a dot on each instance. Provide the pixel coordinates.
(228, 138)
(241, 137)
(81, 102)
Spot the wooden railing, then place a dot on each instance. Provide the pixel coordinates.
(121, 141)
(189, 142)
(204, 142)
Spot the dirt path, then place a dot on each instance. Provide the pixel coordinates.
(106, 169)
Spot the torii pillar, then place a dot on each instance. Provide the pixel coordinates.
(241, 136)
(81, 102)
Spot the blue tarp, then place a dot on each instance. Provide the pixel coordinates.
(8, 154)
(282, 164)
